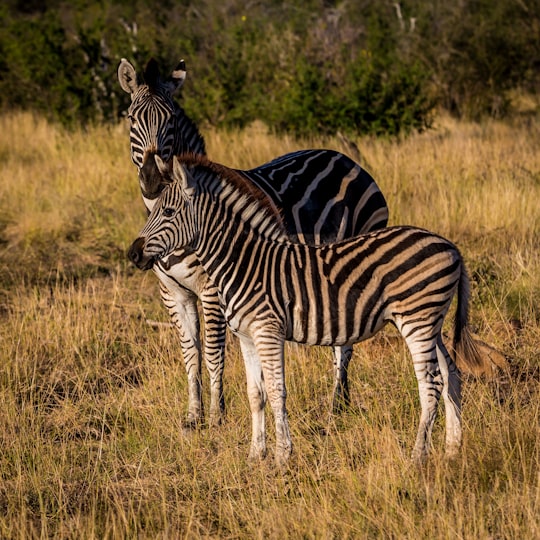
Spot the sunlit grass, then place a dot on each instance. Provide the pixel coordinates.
(93, 398)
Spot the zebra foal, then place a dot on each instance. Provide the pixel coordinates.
(323, 195)
(273, 290)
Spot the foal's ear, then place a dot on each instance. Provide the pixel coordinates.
(127, 77)
(162, 166)
(177, 78)
(184, 178)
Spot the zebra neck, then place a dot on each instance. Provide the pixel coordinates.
(188, 137)
(231, 233)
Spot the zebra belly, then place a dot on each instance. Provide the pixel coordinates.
(330, 340)
(246, 316)
(314, 329)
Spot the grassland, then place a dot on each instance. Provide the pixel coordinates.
(92, 398)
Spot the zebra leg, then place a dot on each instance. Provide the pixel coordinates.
(270, 349)
(182, 306)
(214, 352)
(342, 357)
(257, 398)
(430, 385)
(452, 399)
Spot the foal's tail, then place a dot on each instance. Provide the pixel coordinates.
(467, 353)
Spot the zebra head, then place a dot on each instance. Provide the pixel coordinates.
(171, 223)
(154, 121)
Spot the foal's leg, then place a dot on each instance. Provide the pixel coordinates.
(270, 348)
(182, 306)
(257, 398)
(430, 386)
(342, 357)
(452, 398)
(214, 351)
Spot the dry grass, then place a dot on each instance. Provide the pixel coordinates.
(92, 398)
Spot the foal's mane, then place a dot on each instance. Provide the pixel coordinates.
(238, 181)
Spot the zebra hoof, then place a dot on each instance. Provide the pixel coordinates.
(340, 406)
(452, 452)
(342, 400)
(282, 457)
(419, 458)
(256, 456)
(216, 420)
(189, 426)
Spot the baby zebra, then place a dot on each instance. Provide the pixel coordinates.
(272, 290)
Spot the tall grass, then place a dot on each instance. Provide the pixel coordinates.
(92, 398)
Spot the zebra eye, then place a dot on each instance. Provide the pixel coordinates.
(168, 212)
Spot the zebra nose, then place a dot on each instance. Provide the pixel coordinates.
(136, 254)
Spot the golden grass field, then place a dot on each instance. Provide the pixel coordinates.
(92, 398)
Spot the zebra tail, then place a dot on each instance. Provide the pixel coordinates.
(468, 356)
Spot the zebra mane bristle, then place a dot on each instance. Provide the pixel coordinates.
(237, 180)
(151, 74)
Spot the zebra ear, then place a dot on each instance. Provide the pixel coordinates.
(184, 178)
(127, 77)
(177, 78)
(163, 168)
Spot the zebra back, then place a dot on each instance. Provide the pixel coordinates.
(324, 195)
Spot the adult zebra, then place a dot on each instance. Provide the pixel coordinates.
(274, 290)
(324, 196)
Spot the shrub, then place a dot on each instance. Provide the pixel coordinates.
(306, 67)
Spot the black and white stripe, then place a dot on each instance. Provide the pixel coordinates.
(274, 290)
(323, 196)
(158, 123)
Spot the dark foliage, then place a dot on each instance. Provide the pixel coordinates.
(302, 66)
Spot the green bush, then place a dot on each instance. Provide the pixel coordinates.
(368, 100)
(300, 66)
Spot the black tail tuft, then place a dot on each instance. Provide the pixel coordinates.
(468, 355)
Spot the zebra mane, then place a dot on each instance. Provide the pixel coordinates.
(239, 182)
(151, 75)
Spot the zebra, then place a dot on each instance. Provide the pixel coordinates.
(158, 125)
(324, 196)
(273, 289)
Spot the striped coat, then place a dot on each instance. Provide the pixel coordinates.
(323, 195)
(274, 290)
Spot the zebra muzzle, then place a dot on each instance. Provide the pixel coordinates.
(137, 256)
